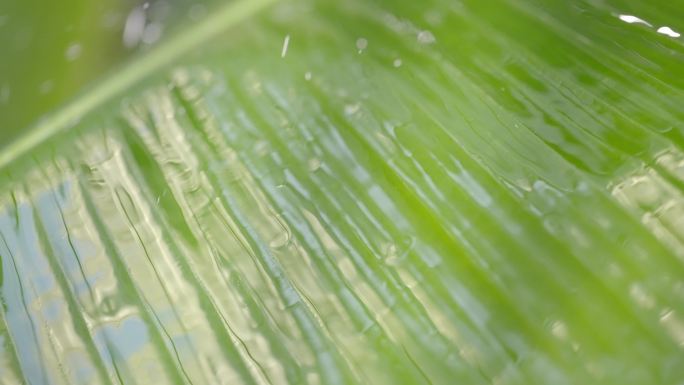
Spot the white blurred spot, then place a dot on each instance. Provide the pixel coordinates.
(426, 37)
(559, 330)
(673, 324)
(633, 19)
(73, 51)
(314, 164)
(286, 44)
(134, 27)
(351, 109)
(152, 33)
(261, 148)
(307, 76)
(668, 31)
(361, 44)
(397, 63)
(641, 297)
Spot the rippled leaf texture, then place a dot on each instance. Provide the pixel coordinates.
(360, 192)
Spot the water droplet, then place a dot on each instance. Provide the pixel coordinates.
(307, 76)
(280, 240)
(390, 251)
(395, 253)
(351, 109)
(313, 164)
(261, 148)
(397, 63)
(426, 37)
(559, 330)
(641, 297)
(361, 44)
(633, 19)
(673, 324)
(146, 5)
(73, 51)
(286, 44)
(134, 27)
(668, 31)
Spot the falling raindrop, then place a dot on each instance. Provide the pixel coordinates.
(307, 76)
(397, 63)
(286, 44)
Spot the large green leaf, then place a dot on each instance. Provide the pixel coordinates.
(360, 192)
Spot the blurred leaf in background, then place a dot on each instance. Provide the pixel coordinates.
(49, 50)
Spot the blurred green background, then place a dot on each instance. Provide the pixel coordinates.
(50, 50)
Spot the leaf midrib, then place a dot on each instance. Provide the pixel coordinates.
(168, 51)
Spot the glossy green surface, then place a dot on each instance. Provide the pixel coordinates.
(361, 192)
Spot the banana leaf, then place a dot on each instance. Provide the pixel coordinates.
(359, 192)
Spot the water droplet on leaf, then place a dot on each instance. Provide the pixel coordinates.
(426, 37)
